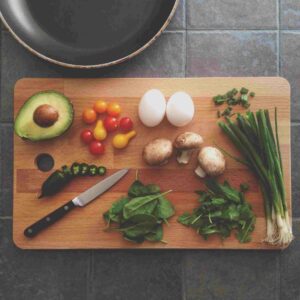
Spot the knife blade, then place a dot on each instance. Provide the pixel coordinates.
(79, 201)
(99, 188)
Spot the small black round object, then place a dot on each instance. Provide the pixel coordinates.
(44, 162)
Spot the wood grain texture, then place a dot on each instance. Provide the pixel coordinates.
(83, 228)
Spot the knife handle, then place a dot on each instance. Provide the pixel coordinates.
(48, 220)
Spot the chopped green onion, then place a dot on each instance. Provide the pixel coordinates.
(244, 91)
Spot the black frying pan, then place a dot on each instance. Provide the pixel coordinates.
(86, 33)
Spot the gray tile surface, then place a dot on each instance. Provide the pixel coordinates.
(151, 275)
(231, 53)
(18, 62)
(290, 14)
(6, 157)
(224, 38)
(232, 14)
(178, 21)
(290, 268)
(238, 275)
(290, 67)
(39, 275)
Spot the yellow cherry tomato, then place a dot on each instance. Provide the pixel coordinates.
(89, 116)
(113, 109)
(121, 140)
(100, 106)
(100, 132)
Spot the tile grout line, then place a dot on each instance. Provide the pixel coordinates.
(278, 277)
(205, 30)
(90, 295)
(5, 218)
(183, 279)
(186, 34)
(278, 36)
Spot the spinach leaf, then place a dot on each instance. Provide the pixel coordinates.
(164, 209)
(138, 205)
(156, 234)
(114, 214)
(138, 225)
(185, 219)
(138, 189)
(152, 189)
(140, 215)
(135, 190)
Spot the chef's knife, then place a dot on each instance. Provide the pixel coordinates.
(79, 201)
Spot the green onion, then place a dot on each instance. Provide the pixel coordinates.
(253, 136)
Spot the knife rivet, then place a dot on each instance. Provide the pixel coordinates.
(48, 219)
(66, 207)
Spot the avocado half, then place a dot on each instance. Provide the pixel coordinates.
(44, 116)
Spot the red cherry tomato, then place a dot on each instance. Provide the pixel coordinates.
(113, 109)
(111, 123)
(96, 148)
(87, 136)
(126, 124)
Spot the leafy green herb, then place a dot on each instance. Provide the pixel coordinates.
(252, 134)
(223, 209)
(140, 215)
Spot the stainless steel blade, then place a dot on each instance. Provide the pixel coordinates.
(99, 188)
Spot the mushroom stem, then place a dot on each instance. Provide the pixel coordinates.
(200, 172)
(184, 156)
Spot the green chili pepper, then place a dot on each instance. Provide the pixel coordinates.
(84, 169)
(93, 170)
(54, 183)
(101, 171)
(67, 171)
(76, 169)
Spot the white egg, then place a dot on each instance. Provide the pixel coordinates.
(152, 108)
(180, 109)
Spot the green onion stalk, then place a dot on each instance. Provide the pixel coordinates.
(252, 134)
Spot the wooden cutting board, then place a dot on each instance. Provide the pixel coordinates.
(83, 227)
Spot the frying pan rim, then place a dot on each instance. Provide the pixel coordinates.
(92, 66)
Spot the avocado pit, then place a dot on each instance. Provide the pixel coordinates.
(45, 115)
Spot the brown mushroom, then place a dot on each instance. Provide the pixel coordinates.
(211, 162)
(45, 115)
(186, 143)
(158, 152)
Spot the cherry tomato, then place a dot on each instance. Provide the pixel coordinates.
(113, 109)
(89, 116)
(96, 148)
(126, 124)
(87, 136)
(110, 124)
(100, 106)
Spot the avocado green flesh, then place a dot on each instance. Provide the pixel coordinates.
(26, 128)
